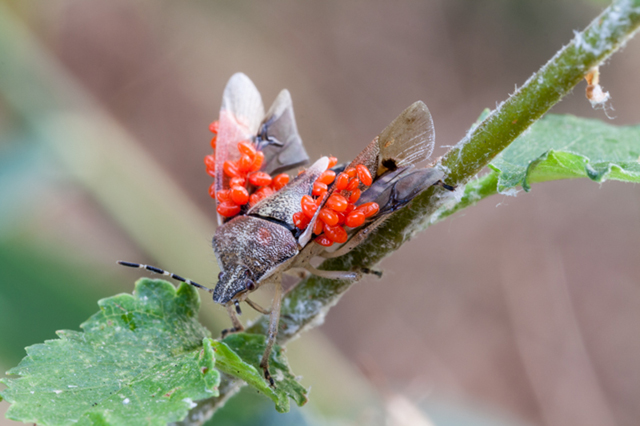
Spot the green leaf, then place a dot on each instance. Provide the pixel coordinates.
(142, 359)
(239, 355)
(565, 147)
(556, 147)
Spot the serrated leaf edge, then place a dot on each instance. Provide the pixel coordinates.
(588, 171)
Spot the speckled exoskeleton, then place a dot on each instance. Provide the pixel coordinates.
(261, 243)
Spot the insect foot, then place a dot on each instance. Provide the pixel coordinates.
(228, 331)
(267, 375)
(376, 272)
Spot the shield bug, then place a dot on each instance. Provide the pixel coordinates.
(269, 225)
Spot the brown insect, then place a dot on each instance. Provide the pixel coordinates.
(260, 238)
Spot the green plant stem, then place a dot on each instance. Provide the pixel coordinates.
(474, 191)
(306, 305)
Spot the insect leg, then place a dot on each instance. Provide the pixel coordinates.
(257, 307)
(332, 275)
(237, 325)
(273, 331)
(163, 272)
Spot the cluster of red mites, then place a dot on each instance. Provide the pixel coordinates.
(338, 211)
(244, 170)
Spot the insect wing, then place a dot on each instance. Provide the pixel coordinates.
(409, 139)
(278, 137)
(284, 203)
(240, 116)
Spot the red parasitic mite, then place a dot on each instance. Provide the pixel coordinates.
(328, 216)
(327, 177)
(280, 181)
(364, 175)
(270, 223)
(354, 219)
(337, 202)
(308, 206)
(260, 179)
(319, 189)
(239, 195)
(342, 181)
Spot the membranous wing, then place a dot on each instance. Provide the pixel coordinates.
(240, 116)
(278, 137)
(392, 158)
(409, 139)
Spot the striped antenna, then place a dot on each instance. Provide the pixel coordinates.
(163, 272)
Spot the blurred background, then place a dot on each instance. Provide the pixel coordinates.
(518, 311)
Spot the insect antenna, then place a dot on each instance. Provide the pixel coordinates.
(163, 272)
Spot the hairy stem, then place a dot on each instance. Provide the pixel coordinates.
(306, 305)
(474, 191)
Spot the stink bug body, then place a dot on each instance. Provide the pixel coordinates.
(268, 226)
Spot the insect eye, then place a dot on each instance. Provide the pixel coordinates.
(250, 285)
(220, 275)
